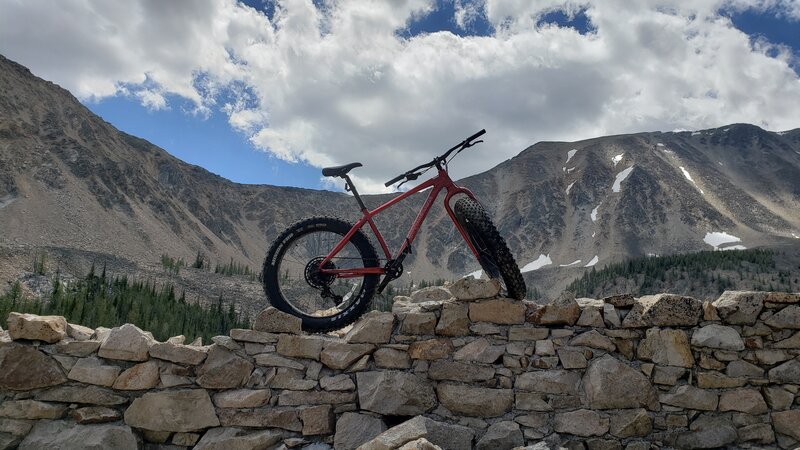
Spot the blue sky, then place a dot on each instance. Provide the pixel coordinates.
(271, 94)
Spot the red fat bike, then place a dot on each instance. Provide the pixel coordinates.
(325, 270)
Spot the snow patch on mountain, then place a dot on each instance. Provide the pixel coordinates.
(593, 261)
(570, 154)
(689, 177)
(620, 178)
(570, 186)
(570, 264)
(718, 238)
(541, 261)
(594, 213)
(734, 247)
(477, 274)
(617, 159)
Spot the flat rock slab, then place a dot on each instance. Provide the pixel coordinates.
(178, 411)
(475, 401)
(664, 310)
(127, 343)
(443, 435)
(223, 369)
(740, 307)
(612, 384)
(373, 328)
(179, 353)
(23, 368)
(93, 395)
(272, 320)
(354, 429)
(395, 393)
(40, 328)
(237, 439)
(469, 288)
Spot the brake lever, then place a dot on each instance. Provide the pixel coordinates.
(470, 144)
(409, 177)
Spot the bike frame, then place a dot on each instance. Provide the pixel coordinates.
(438, 183)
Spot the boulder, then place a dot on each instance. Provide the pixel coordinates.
(441, 434)
(418, 323)
(549, 382)
(419, 444)
(528, 401)
(31, 409)
(743, 369)
(237, 439)
(430, 349)
(272, 320)
(788, 317)
(36, 328)
(390, 358)
(301, 346)
(631, 423)
(253, 336)
(373, 328)
(341, 382)
(454, 320)
(480, 350)
(690, 397)
(317, 420)
(785, 422)
(93, 371)
(591, 316)
(505, 434)
(611, 316)
(572, 358)
(65, 435)
(354, 429)
(179, 353)
(748, 401)
(667, 347)
(582, 422)
(562, 311)
(223, 369)
(664, 310)
(139, 377)
(79, 332)
(788, 372)
(620, 300)
(92, 395)
(778, 398)
(23, 368)
(395, 393)
(612, 384)
(128, 343)
(707, 432)
(340, 355)
(740, 307)
(459, 371)
(242, 398)
(718, 337)
(475, 401)
(501, 311)
(431, 294)
(760, 433)
(177, 411)
(78, 348)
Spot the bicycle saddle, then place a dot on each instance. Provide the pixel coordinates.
(340, 171)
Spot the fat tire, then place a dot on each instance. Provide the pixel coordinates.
(281, 243)
(479, 227)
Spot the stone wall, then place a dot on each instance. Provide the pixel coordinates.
(449, 367)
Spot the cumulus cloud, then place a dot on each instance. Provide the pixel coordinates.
(341, 81)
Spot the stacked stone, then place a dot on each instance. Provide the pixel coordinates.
(450, 367)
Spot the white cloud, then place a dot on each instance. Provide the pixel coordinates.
(346, 83)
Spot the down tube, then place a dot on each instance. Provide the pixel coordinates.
(412, 233)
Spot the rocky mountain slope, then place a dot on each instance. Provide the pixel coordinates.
(73, 184)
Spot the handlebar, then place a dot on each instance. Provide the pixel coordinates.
(466, 143)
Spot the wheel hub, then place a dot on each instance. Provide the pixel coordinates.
(317, 279)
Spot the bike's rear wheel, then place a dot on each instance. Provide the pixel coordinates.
(495, 257)
(294, 284)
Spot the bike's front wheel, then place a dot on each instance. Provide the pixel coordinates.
(295, 284)
(495, 257)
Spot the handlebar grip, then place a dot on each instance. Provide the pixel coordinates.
(475, 136)
(394, 180)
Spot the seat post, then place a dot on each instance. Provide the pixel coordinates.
(352, 188)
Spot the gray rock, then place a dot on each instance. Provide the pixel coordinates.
(31, 409)
(475, 401)
(441, 434)
(242, 398)
(139, 377)
(743, 369)
(528, 333)
(78, 348)
(611, 384)
(667, 375)
(454, 320)
(340, 355)
(572, 359)
(285, 418)
(353, 429)
(273, 360)
(317, 420)
(93, 371)
(395, 393)
(65, 435)
(778, 399)
(631, 423)
(582, 422)
(93, 395)
(785, 422)
(469, 288)
(303, 398)
(788, 317)
(500, 311)
(223, 369)
(549, 382)
(664, 310)
(42, 328)
(237, 439)
(373, 328)
(760, 433)
(788, 372)
(593, 339)
(668, 347)
(504, 434)
(433, 293)
(127, 343)
(562, 311)
(459, 371)
(179, 353)
(181, 411)
(707, 432)
(719, 337)
(390, 358)
(79, 332)
(95, 414)
(691, 397)
(253, 336)
(528, 401)
(418, 323)
(341, 382)
(23, 368)
(748, 401)
(430, 349)
(740, 307)
(271, 320)
(480, 350)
